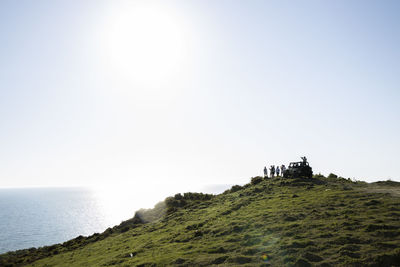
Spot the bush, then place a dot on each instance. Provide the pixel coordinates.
(180, 201)
(178, 196)
(235, 188)
(154, 214)
(197, 196)
(318, 176)
(332, 176)
(256, 180)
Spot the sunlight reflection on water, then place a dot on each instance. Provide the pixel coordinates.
(43, 216)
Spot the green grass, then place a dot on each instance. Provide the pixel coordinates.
(290, 222)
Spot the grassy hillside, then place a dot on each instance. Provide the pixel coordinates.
(290, 222)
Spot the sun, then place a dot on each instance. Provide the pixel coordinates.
(145, 45)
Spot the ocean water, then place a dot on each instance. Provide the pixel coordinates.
(44, 216)
(37, 217)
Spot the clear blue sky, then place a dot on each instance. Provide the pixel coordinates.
(184, 92)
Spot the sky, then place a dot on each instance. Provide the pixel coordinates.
(188, 93)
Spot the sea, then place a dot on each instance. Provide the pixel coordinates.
(35, 217)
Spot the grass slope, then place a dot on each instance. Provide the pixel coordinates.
(290, 222)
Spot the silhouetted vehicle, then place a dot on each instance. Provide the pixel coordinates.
(299, 169)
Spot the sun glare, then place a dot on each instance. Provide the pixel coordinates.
(145, 46)
(120, 202)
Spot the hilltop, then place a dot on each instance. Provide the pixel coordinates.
(267, 222)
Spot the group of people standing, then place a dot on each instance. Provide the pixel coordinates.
(274, 170)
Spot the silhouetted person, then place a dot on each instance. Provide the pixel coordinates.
(272, 171)
(265, 172)
(304, 159)
(283, 169)
(277, 170)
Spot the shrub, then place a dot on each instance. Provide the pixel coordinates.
(178, 196)
(235, 188)
(197, 196)
(180, 201)
(332, 176)
(256, 180)
(318, 176)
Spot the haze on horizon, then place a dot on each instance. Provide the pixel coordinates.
(168, 93)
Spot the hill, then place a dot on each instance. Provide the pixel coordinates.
(268, 222)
